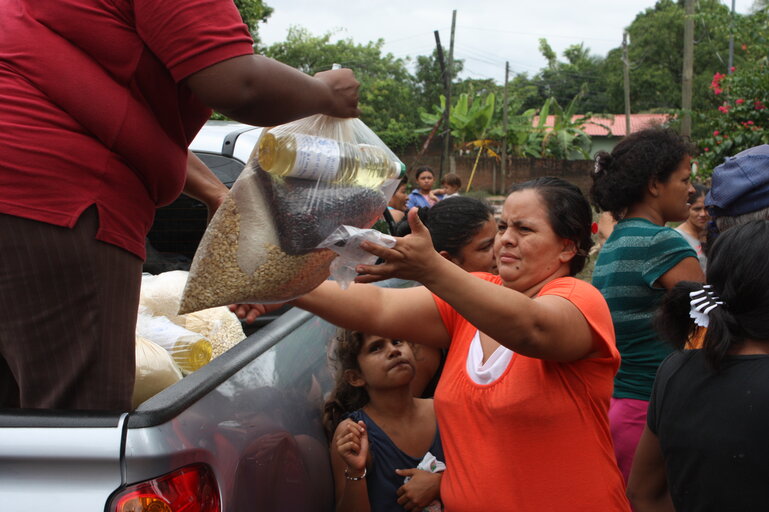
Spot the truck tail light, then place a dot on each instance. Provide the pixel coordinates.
(188, 489)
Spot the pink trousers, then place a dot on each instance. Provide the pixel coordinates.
(627, 418)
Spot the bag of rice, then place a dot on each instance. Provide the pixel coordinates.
(155, 370)
(303, 180)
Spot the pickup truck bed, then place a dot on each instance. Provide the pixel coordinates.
(252, 416)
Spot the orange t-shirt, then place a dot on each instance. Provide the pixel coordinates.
(537, 438)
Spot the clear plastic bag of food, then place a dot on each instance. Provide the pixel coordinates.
(303, 180)
(189, 350)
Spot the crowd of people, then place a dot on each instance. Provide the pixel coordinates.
(552, 393)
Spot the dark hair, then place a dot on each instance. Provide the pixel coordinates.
(452, 222)
(620, 178)
(568, 212)
(738, 272)
(423, 168)
(452, 180)
(700, 190)
(345, 397)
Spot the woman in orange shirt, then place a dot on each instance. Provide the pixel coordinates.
(523, 400)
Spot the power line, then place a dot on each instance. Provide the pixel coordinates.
(548, 35)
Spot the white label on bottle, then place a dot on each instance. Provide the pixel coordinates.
(317, 158)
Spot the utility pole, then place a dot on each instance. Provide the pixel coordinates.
(688, 71)
(626, 73)
(731, 41)
(445, 159)
(504, 128)
(447, 110)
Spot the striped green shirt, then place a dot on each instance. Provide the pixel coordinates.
(637, 253)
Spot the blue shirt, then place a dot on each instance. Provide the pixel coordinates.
(381, 480)
(418, 200)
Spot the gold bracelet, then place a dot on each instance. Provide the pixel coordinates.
(354, 478)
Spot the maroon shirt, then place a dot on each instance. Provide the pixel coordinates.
(92, 111)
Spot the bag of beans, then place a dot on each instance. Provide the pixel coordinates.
(303, 180)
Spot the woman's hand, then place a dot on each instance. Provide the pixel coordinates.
(422, 488)
(352, 445)
(250, 312)
(413, 256)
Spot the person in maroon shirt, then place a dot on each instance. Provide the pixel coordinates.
(99, 100)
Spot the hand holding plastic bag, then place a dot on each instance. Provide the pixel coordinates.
(346, 241)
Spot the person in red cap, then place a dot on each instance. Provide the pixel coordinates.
(99, 101)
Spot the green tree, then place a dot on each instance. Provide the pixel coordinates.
(563, 80)
(741, 118)
(388, 93)
(656, 55)
(253, 12)
(565, 139)
(429, 77)
(470, 121)
(470, 118)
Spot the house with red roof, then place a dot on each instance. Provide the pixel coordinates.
(605, 131)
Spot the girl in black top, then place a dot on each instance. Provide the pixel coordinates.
(705, 444)
(381, 432)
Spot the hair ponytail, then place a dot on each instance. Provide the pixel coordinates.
(723, 332)
(672, 320)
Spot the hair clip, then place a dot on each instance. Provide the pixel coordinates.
(702, 302)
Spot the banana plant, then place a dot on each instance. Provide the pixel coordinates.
(565, 137)
(469, 122)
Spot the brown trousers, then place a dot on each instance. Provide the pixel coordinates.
(68, 306)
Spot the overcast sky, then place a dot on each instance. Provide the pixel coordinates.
(488, 32)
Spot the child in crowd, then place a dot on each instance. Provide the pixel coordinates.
(381, 433)
(462, 230)
(450, 185)
(397, 204)
(704, 445)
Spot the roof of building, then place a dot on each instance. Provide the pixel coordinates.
(597, 126)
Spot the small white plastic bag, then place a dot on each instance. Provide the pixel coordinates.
(345, 241)
(430, 463)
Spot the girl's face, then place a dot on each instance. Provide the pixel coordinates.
(425, 181)
(399, 198)
(529, 253)
(673, 194)
(698, 215)
(478, 254)
(385, 363)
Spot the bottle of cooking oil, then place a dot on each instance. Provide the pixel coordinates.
(306, 156)
(188, 349)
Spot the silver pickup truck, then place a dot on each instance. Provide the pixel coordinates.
(243, 433)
